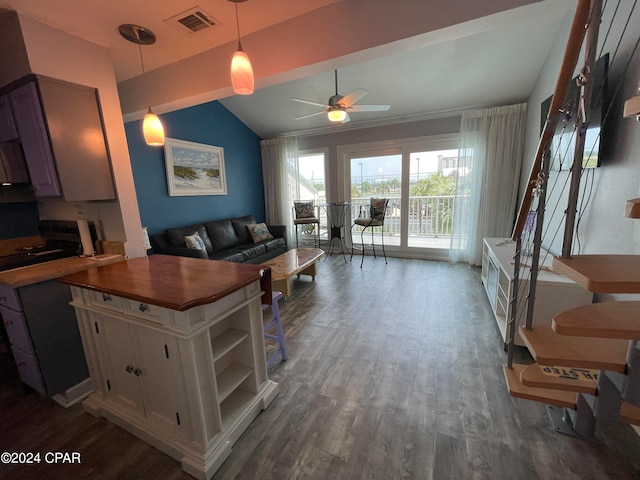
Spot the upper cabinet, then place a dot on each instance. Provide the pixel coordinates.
(60, 128)
(8, 130)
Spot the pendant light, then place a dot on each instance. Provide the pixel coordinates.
(151, 126)
(241, 71)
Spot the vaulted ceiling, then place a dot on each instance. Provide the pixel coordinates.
(422, 58)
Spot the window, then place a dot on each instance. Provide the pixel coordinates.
(419, 177)
(309, 183)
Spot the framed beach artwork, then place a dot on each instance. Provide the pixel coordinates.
(194, 168)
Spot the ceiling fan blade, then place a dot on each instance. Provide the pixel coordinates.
(308, 102)
(370, 108)
(310, 115)
(353, 97)
(346, 118)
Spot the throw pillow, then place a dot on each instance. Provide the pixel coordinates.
(259, 232)
(377, 209)
(194, 241)
(304, 209)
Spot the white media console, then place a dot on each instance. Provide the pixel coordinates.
(555, 293)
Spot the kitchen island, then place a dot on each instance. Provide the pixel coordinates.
(175, 351)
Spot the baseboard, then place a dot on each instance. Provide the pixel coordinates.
(75, 394)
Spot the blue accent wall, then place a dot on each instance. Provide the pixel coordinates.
(211, 124)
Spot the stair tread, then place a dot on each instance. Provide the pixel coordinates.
(602, 273)
(549, 348)
(572, 381)
(603, 320)
(558, 398)
(630, 413)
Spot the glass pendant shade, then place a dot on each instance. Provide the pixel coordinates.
(336, 115)
(241, 72)
(152, 129)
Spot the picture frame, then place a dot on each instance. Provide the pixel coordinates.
(194, 168)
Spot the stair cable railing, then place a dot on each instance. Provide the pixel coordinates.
(537, 177)
(527, 242)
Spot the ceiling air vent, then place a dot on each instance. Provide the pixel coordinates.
(194, 20)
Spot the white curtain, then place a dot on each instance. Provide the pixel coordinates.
(280, 173)
(491, 147)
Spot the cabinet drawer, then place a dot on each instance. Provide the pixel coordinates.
(29, 370)
(16, 326)
(147, 311)
(105, 300)
(9, 298)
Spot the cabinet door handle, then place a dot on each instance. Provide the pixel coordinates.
(129, 369)
(143, 307)
(137, 372)
(106, 298)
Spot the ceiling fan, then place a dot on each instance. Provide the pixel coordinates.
(338, 106)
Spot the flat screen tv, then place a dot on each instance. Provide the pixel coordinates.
(564, 138)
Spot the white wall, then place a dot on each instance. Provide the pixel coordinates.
(603, 227)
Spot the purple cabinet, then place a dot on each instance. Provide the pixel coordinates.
(7, 127)
(63, 138)
(44, 336)
(29, 120)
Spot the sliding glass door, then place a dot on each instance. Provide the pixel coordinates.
(418, 177)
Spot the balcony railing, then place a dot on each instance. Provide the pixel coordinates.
(429, 220)
(429, 216)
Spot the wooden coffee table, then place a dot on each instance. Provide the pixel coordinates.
(297, 261)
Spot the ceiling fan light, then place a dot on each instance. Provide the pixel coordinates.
(241, 73)
(152, 129)
(337, 115)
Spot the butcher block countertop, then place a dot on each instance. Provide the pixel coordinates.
(169, 281)
(20, 277)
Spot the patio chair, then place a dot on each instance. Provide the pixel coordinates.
(371, 216)
(304, 213)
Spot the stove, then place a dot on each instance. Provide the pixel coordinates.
(62, 240)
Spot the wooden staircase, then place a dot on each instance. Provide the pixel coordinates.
(599, 336)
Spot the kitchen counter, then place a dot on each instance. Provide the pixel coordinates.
(20, 277)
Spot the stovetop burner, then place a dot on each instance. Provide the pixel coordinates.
(62, 240)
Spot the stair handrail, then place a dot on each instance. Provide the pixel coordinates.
(569, 62)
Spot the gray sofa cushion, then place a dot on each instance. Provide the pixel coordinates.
(240, 227)
(273, 244)
(222, 234)
(227, 256)
(175, 236)
(249, 252)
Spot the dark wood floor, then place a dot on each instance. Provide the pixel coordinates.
(395, 372)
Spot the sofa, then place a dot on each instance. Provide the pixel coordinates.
(229, 240)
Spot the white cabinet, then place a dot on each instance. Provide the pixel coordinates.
(137, 370)
(555, 293)
(188, 382)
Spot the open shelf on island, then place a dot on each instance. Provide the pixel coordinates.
(227, 341)
(230, 379)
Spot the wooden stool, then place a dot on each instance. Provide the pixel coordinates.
(276, 323)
